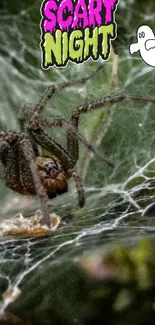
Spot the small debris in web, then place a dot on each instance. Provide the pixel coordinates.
(28, 227)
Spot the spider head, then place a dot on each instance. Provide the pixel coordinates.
(51, 168)
(53, 176)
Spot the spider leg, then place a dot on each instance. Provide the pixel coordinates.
(48, 143)
(82, 109)
(79, 188)
(25, 113)
(4, 149)
(9, 168)
(52, 146)
(72, 142)
(72, 126)
(51, 90)
(28, 111)
(4, 146)
(30, 157)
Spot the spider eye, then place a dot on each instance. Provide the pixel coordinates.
(50, 167)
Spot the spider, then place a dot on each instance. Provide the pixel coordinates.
(30, 172)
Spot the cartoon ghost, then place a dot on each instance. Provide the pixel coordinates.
(145, 44)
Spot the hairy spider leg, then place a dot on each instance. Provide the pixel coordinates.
(31, 111)
(73, 135)
(79, 187)
(61, 122)
(30, 157)
(50, 91)
(8, 157)
(72, 142)
(45, 141)
(25, 113)
(82, 109)
(27, 109)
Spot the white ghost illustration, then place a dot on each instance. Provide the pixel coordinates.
(145, 44)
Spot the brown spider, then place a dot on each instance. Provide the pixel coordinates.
(27, 170)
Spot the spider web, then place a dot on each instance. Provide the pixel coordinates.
(114, 199)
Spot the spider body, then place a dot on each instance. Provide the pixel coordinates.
(27, 169)
(17, 174)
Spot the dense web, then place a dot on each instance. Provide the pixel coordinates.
(125, 133)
